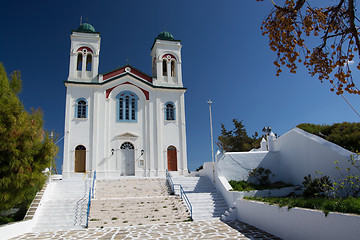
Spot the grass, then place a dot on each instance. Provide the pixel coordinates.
(247, 186)
(343, 205)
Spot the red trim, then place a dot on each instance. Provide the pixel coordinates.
(171, 56)
(113, 73)
(80, 49)
(146, 93)
(122, 70)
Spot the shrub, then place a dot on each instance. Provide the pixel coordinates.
(317, 186)
(260, 176)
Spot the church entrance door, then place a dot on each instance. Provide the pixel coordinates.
(172, 158)
(127, 159)
(80, 158)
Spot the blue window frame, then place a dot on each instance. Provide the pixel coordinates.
(127, 106)
(169, 111)
(81, 108)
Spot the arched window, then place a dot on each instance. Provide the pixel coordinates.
(169, 111)
(88, 62)
(127, 106)
(164, 65)
(173, 68)
(79, 62)
(81, 108)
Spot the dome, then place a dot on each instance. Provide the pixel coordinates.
(165, 36)
(86, 27)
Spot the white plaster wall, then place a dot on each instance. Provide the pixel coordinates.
(298, 223)
(77, 131)
(100, 132)
(222, 186)
(237, 165)
(160, 48)
(302, 153)
(171, 131)
(12, 230)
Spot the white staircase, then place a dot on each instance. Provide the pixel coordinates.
(64, 207)
(206, 202)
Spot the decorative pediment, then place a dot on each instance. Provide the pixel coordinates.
(127, 135)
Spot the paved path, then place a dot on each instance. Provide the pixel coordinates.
(214, 229)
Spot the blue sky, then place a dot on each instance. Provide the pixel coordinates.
(224, 57)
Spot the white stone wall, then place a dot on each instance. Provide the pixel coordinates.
(237, 165)
(298, 223)
(302, 153)
(293, 156)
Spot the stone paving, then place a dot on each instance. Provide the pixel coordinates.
(213, 229)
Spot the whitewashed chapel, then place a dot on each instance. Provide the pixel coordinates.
(124, 122)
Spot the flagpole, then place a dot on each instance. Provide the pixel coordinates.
(212, 141)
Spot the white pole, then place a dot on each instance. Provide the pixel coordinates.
(212, 141)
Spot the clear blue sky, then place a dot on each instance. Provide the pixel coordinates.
(224, 55)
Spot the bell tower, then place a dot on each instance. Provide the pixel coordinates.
(84, 54)
(166, 61)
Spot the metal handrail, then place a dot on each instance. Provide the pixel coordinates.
(186, 200)
(89, 202)
(168, 177)
(93, 189)
(182, 192)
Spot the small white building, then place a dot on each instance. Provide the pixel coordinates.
(290, 157)
(124, 122)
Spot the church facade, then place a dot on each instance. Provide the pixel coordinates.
(124, 122)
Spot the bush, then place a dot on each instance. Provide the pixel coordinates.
(316, 186)
(260, 176)
(248, 186)
(346, 135)
(343, 205)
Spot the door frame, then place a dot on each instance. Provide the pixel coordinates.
(172, 163)
(124, 161)
(80, 150)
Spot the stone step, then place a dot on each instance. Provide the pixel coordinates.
(66, 206)
(206, 202)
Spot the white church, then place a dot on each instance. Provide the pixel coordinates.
(124, 122)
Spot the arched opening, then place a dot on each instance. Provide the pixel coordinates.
(81, 109)
(172, 158)
(170, 111)
(164, 65)
(173, 68)
(79, 62)
(88, 62)
(80, 158)
(127, 106)
(126, 163)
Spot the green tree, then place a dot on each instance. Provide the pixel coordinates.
(237, 139)
(325, 38)
(25, 150)
(346, 135)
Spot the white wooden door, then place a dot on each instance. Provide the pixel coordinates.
(127, 159)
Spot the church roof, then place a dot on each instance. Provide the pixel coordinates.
(126, 69)
(85, 28)
(165, 36)
(123, 71)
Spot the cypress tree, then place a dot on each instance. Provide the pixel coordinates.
(25, 149)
